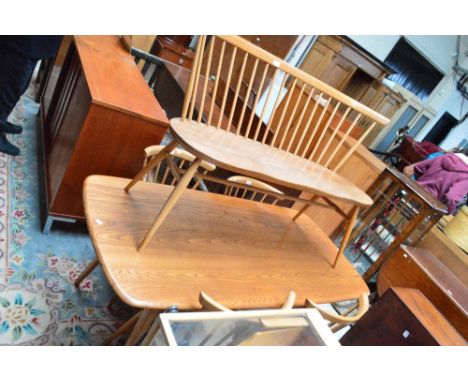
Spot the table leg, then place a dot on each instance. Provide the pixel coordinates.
(93, 264)
(145, 320)
(170, 202)
(347, 234)
(373, 211)
(151, 164)
(112, 301)
(151, 333)
(130, 323)
(393, 246)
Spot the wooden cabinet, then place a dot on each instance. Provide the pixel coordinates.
(338, 72)
(173, 51)
(382, 99)
(97, 119)
(335, 59)
(448, 253)
(50, 69)
(402, 317)
(418, 268)
(326, 64)
(340, 63)
(277, 45)
(317, 60)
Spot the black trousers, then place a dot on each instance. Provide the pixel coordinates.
(15, 75)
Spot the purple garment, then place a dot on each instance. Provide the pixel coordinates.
(445, 177)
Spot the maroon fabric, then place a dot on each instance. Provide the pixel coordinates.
(423, 148)
(413, 151)
(426, 148)
(445, 177)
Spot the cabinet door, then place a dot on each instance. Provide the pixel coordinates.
(318, 59)
(339, 72)
(389, 103)
(421, 121)
(328, 66)
(384, 101)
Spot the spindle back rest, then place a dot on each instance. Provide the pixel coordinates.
(272, 112)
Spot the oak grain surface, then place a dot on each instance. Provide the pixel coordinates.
(251, 158)
(428, 315)
(100, 117)
(242, 253)
(413, 267)
(114, 79)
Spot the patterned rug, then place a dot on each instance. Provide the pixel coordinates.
(38, 302)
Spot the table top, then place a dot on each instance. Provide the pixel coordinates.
(114, 79)
(247, 157)
(244, 254)
(450, 285)
(423, 194)
(429, 317)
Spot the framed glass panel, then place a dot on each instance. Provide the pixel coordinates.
(403, 121)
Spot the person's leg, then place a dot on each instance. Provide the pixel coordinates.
(11, 128)
(15, 74)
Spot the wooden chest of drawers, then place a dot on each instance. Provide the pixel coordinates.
(402, 316)
(97, 119)
(412, 267)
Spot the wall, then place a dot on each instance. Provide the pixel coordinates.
(446, 98)
(439, 51)
(379, 46)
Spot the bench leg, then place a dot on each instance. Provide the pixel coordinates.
(129, 324)
(151, 164)
(347, 234)
(170, 202)
(305, 208)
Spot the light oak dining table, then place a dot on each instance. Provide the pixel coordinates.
(245, 254)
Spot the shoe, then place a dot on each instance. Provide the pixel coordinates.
(6, 147)
(11, 128)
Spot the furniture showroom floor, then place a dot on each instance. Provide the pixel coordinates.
(38, 303)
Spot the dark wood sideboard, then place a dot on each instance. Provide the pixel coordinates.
(412, 267)
(97, 118)
(403, 317)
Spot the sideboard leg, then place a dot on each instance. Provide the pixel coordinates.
(50, 220)
(48, 225)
